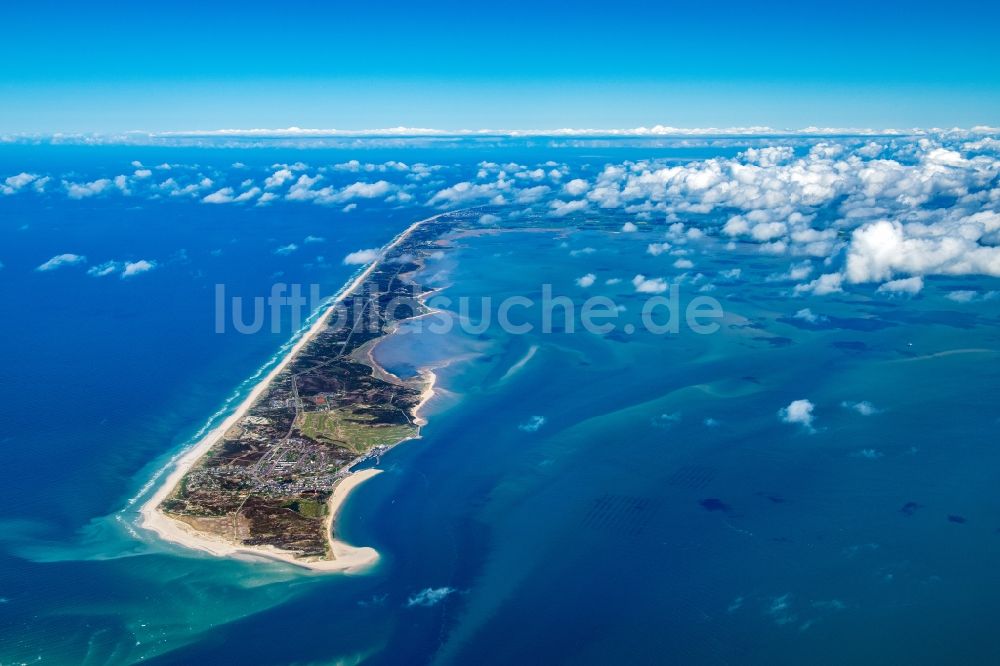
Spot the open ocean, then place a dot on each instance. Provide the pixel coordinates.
(575, 498)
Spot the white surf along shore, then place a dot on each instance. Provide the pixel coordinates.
(346, 558)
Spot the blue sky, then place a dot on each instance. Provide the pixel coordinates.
(182, 65)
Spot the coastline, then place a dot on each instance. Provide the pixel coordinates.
(347, 558)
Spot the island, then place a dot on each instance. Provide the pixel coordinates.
(269, 481)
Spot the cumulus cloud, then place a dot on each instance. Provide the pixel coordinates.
(363, 190)
(645, 285)
(361, 257)
(863, 407)
(61, 260)
(970, 296)
(795, 273)
(885, 211)
(465, 193)
(808, 316)
(302, 190)
(14, 184)
(776, 194)
(911, 285)
(247, 195)
(278, 178)
(291, 247)
(800, 412)
(84, 190)
(586, 280)
(576, 187)
(533, 424)
(123, 269)
(430, 596)
(560, 208)
(530, 195)
(768, 155)
(823, 285)
(133, 268)
(883, 249)
(105, 269)
(225, 195)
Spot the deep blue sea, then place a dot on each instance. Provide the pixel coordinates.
(576, 498)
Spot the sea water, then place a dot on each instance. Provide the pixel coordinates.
(575, 497)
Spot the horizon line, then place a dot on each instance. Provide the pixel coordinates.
(656, 131)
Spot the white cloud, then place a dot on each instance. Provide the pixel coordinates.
(969, 296)
(911, 285)
(466, 192)
(83, 190)
(683, 264)
(105, 269)
(429, 597)
(765, 231)
(795, 272)
(133, 268)
(807, 315)
(863, 407)
(560, 208)
(363, 190)
(586, 281)
(248, 195)
(882, 249)
(883, 212)
(488, 218)
(576, 187)
(768, 155)
(656, 249)
(302, 190)
(13, 184)
(61, 260)
(123, 269)
(223, 196)
(798, 411)
(823, 285)
(532, 424)
(531, 195)
(650, 285)
(961, 295)
(288, 249)
(362, 257)
(278, 178)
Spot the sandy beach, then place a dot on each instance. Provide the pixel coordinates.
(347, 558)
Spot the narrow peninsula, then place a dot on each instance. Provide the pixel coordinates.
(271, 478)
